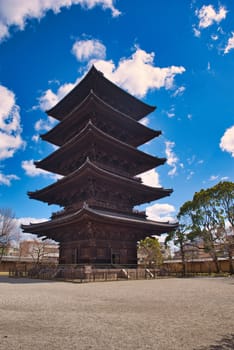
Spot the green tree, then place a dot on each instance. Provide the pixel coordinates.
(213, 220)
(182, 236)
(209, 217)
(208, 224)
(223, 197)
(150, 250)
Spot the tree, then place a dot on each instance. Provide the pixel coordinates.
(182, 236)
(223, 195)
(151, 253)
(214, 220)
(208, 224)
(209, 217)
(8, 229)
(39, 250)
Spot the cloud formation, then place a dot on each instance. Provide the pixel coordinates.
(150, 178)
(137, 74)
(85, 50)
(227, 141)
(230, 44)
(49, 98)
(32, 171)
(6, 179)
(172, 159)
(15, 13)
(161, 212)
(10, 129)
(208, 16)
(26, 221)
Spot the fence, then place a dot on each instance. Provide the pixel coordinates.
(90, 273)
(86, 273)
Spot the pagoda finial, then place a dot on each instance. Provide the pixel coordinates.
(85, 205)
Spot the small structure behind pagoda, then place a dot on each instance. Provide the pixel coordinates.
(98, 135)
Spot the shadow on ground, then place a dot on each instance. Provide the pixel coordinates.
(226, 343)
(21, 280)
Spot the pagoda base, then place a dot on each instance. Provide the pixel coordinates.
(98, 253)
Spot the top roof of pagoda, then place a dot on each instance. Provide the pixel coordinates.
(107, 91)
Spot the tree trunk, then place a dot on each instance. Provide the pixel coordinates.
(183, 260)
(2, 252)
(216, 262)
(231, 269)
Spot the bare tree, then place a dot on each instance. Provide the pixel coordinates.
(39, 251)
(8, 230)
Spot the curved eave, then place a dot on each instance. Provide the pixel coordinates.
(104, 88)
(91, 131)
(89, 168)
(91, 104)
(88, 214)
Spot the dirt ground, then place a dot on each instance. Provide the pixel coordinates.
(163, 314)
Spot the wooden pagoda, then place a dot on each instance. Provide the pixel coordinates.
(98, 134)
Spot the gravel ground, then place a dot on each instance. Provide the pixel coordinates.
(164, 314)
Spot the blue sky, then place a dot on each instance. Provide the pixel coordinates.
(177, 55)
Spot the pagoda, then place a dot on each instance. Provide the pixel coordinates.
(98, 135)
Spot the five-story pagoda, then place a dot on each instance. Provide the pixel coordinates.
(98, 134)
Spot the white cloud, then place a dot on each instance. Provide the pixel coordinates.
(144, 121)
(150, 178)
(4, 32)
(6, 179)
(36, 138)
(227, 141)
(213, 177)
(161, 212)
(29, 220)
(26, 221)
(214, 37)
(170, 114)
(138, 74)
(32, 171)
(172, 159)
(179, 91)
(191, 160)
(196, 32)
(87, 49)
(208, 16)
(224, 178)
(10, 129)
(43, 124)
(230, 44)
(190, 175)
(49, 98)
(17, 13)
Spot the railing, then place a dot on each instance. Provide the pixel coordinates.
(87, 273)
